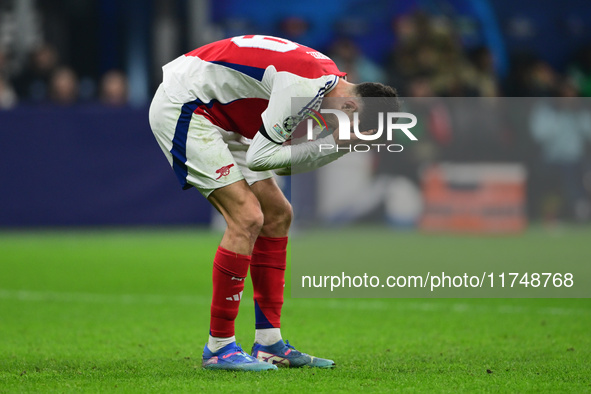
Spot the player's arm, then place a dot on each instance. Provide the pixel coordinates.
(266, 154)
(267, 150)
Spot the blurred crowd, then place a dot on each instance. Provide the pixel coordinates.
(47, 80)
(429, 60)
(426, 58)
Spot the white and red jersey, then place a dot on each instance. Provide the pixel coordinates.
(244, 82)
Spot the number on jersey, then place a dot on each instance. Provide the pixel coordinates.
(265, 42)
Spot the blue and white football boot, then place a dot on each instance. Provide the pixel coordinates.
(232, 358)
(283, 354)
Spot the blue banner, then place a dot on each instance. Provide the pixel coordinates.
(88, 165)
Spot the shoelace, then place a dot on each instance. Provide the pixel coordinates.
(239, 352)
(291, 347)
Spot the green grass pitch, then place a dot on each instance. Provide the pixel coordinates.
(128, 311)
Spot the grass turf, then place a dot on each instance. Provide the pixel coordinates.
(128, 311)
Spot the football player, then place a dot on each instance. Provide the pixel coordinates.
(222, 116)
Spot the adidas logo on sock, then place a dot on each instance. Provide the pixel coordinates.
(238, 279)
(235, 297)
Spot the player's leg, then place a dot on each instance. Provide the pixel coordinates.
(244, 219)
(268, 264)
(267, 267)
(242, 212)
(267, 270)
(200, 157)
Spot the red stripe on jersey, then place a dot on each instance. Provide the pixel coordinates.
(240, 116)
(303, 61)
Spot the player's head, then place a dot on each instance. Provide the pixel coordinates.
(374, 98)
(366, 99)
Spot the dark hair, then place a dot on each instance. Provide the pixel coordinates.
(380, 98)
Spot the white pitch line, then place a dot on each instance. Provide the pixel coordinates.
(97, 298)
(333, 304)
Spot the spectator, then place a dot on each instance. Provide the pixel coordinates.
(64, 86)
(113, 89)
(419, 86)
(580, 71)
(402, 62)
(3, 64)
(486, 79)
(33, 83)
(295, 29)
(348, 58)
(541, 80)
(562, 128)
(8, 97)
(428, 47)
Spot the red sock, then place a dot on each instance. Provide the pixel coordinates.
(229, 271)
(267, 270)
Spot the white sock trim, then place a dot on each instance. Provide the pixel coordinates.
(216, 343)
(267, 336)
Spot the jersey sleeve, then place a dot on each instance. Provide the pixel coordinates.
(280, 118)
(265, 155)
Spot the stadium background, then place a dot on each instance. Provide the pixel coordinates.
(101, 291)
(76, 79)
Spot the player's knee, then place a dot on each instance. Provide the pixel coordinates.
(254, 222)
(286, 215)
(279, 219)
(249, 222)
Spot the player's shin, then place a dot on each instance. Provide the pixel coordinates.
(267, 270)
(229, 271)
